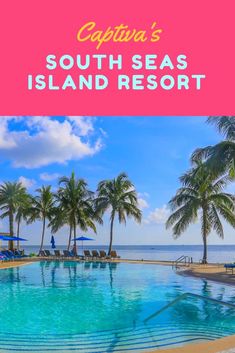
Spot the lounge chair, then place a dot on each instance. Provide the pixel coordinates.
(57, 253)
(42, 253)
(67, 253)
(114, 255)
(229, 267)
(95, 254)
(48, 253)
(3, 257)
(12, 255)
(9, 254)
(103, 254)
(17, 254)
(87, 254)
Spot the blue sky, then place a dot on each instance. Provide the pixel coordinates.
(153, 151)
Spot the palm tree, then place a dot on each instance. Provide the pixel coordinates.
(221, 157)
(11, 197)
(75, 207)
(201, 195)
(22, 213)
(120, 196)
(59, 218)
(42, 208)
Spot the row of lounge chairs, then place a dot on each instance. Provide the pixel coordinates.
(93, 255)
(8, 255)
(229, 267)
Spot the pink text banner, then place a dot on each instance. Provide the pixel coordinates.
(171, 57)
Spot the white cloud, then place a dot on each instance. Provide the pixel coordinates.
(158, 216)
(27, 183)
(83, 125)
(6, 140)
(142, 203)
(49, 177)
(40, 141)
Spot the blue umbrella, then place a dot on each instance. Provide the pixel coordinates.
(7, 238)
(53, 242)
(82, 239)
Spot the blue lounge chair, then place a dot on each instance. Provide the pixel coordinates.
(3, 257)
(229, 267)
(19, 254)
(8, 254)
(12, 254)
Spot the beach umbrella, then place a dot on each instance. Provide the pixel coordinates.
(7, 238)
(82, 239)
(53, 242)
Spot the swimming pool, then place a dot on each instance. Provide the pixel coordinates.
(108, 307)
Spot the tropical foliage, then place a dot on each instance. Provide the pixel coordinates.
(202, 198)
(42, 208)
(221, 157)
(119, 196)
(75, 207)
(22, 213)
(12, 196)
(72, 205)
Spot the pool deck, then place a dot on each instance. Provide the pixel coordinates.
(212, 272)
(223, 345)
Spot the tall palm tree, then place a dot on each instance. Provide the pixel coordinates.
(201, 196)
(60, 218)
(120, 196)
(75, 207)
(221, 157)
(11, 197)
(22, 213)
(42, 208)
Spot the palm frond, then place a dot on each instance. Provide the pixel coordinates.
(224, 124)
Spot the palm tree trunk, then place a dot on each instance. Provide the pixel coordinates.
(204, 237)
(111, 233)
(75, 243)
(18, 234)
(70, 236)
(11, 229)
(204, 260)
(43, 233)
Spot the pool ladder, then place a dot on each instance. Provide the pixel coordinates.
(183, 259)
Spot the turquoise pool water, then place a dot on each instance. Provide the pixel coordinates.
(103, 307)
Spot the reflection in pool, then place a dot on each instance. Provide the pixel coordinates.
(102, 307)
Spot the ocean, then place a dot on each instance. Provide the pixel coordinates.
(216, 253)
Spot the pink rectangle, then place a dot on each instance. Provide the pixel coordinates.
(203, 30)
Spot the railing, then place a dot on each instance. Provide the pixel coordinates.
(186, 260)
(183, 296)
